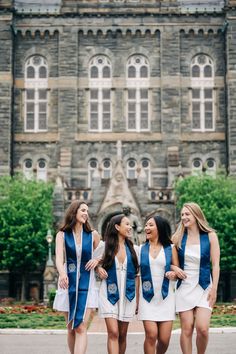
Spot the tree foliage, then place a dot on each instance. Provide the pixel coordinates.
(217, 198)
(25, 216)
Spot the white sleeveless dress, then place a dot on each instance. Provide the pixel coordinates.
(124, 309)
(61, 301)
(157, 309)
(190, 294)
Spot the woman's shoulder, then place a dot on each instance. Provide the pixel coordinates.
(60, 234)
(212, 236)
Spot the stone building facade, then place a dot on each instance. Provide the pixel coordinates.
(113, 100)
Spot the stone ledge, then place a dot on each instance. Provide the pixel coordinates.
(206, 136)
(111, 136)
(36, 137)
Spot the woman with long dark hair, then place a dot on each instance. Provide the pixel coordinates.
(117, 296)
(77, 294)
(157, 298)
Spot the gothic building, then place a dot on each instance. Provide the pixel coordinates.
(113, 100)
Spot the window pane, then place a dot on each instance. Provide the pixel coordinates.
(30, 72)
(131, 121)
(30, 94)
(131, 94)
(42, 94)
(106, 94)
(106, 72)
(195, 93)
(94, 94)
(28, 163)
(30, 121)
(42, 107)
(94, 72)
(208, 93)
(106, 107)
(42, 121)
(42, 72)
(144, 71)
(195, 71)
(131, 163)
(93, 163)
(207, 71)
(131, 72)
(42, 164)
(106, 121)
(144, 94)
(208, 106)
(197, 163)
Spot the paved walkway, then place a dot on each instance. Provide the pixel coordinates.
(21, 341)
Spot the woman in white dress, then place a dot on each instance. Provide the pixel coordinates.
(157, 298)
(117, 295)
(77, 294)
(196, 293)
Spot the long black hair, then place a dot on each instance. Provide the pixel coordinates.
(164, 230)
(112, 243)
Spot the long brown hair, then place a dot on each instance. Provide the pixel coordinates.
(201, 221)
(70, 217)
(112, 243)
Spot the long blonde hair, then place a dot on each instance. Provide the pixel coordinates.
(202, 223)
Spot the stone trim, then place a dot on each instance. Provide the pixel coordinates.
(126, 136)
(37, 137)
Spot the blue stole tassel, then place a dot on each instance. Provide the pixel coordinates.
(165, 284)
(78, 288)
(146, 276)
(112, 286)
(204, 271)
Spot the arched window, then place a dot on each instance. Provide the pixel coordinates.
(137, 93)
(106, 169)
(146, 167)
(28, 169)
(131, 169)
(210, 167)
(36, 94)
(92, 167)
(100, 94)
(197, 167)
(202, 84)
(42, 170)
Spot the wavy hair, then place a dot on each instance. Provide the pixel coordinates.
(111, 239)
(70, 218)
(201, 221)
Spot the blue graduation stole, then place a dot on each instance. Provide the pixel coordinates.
(78, 288)
(204, 271)
(146, 276)
(112, 285)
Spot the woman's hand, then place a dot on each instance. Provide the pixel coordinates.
(212, 295)
(91, 264)
(101, 272)
(179, 272)
(171, 275)
(63, 281)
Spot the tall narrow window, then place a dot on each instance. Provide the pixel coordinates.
(147, 170)
(197, 167)
(131, 169)
(106, 169)
(92, 167)
(202, 83)
(137, 93)
(100, 94)
(28, 169)
(42, 170)
(36, 94)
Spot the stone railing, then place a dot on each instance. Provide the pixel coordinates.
(71, 194)
(161, 195)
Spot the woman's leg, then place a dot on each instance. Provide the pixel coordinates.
(187, 326)
(112, 336)
(81, 334)
(163, 338)
(151, 332)
(70, 335)
(202, 323)
(123, 328)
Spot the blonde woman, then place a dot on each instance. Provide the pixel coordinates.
(198, 249)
